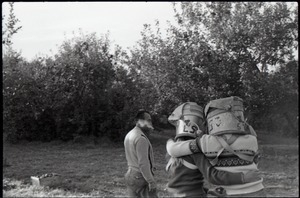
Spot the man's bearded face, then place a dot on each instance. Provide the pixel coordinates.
(146, 123)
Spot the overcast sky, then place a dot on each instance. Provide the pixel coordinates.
(45, 25)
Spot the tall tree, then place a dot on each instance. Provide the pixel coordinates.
(254, 35)
(10, 27)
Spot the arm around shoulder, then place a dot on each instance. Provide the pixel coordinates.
(178, 149)
(215, 176)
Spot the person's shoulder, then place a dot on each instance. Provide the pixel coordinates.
(142, 139)
(131, 134)
(135, 134)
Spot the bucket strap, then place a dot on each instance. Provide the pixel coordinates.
(184, 162)
(252, 131)
(171, 161)
(216, 159)
(230, 141)
(228, 148)
(189, 165)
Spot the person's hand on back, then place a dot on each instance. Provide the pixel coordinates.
(251, 176)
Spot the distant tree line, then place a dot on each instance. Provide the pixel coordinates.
(216, 49)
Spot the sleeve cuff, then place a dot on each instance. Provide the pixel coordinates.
(194, 147)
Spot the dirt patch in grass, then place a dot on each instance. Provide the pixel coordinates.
(98, 170)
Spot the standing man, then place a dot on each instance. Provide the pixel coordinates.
(139, 155)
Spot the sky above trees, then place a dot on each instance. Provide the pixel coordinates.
(45, 25)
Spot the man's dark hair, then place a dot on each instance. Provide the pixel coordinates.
(141, 114)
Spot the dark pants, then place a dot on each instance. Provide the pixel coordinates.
(137, 186)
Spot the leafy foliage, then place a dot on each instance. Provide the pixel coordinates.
(10, 28)
(217, 49)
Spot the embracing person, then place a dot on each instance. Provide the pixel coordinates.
(228, 142)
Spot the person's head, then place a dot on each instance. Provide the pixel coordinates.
(143, 120)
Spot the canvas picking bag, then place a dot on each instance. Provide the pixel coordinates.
(228, 133)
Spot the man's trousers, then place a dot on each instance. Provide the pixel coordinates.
(137, 186)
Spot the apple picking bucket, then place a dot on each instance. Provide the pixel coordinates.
(229, 134)
(225, 115)
(188, 119)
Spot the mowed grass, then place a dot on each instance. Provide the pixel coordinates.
(98, 170)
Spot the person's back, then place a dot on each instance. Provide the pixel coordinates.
(184, 181)
(187, 174)
(188, 121)
(239, 188)
(135, 144)
(130, 142)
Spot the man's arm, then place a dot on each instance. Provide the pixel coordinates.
(179, 149)
(219, 177)
(143, 160)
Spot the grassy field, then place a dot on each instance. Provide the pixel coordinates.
(86, 169)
